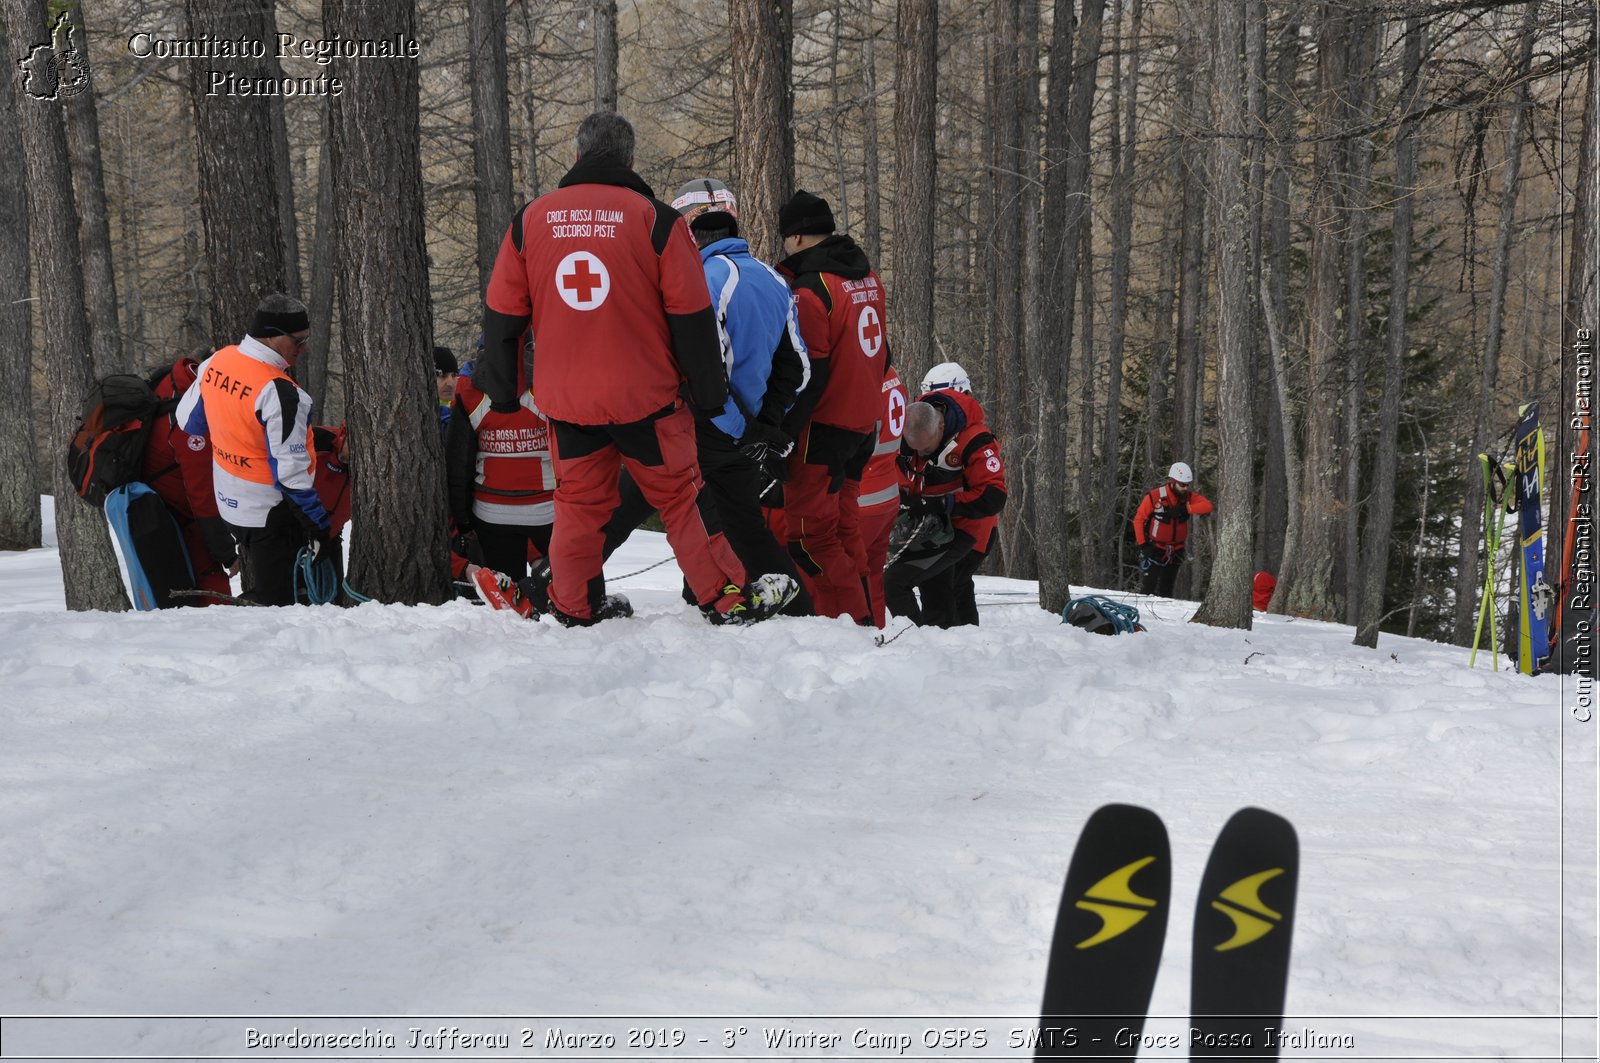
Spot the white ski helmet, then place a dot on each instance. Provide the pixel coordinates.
(947, 376)
(1181, 473)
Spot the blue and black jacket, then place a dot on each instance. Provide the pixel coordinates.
(766, 358)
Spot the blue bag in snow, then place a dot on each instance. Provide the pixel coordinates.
(1101, 615)
(152, 545)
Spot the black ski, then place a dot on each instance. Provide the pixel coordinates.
(1108, 937)
(1243, 923)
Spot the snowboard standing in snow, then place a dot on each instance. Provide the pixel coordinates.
(1108, 936)
(1534, 596)
(1243, 925)
(1113, 919)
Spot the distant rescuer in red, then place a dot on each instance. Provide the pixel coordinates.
(1161, 528)
(610, 280)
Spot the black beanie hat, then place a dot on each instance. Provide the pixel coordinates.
(805, 215)
(268, 323)
(444, 360)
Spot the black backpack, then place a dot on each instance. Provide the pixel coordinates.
(107, 450)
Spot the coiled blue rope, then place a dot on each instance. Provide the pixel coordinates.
(320, 580)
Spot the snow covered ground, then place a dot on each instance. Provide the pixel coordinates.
(395, 818)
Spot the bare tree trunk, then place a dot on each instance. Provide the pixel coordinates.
(605, 55)
(915, 102)
(836, 118)
(1157, 413)
(1007, 368)
(94, 219)
(1363, 56)
(1291, 457)
(1191, 236)
(1023, 441)
(1125, 129)
(1002, 235)
(1087, 505)
(88, 566)
(872, 220)
(246, 249)
(195, 331)
(763, 117)
(1227, 599)
(1380, 519)
(1073, 66)
(1276, 506)
(1469, 563)
(530, 102)
(1306, 586)
(20, 526)
(136, 346)
(1030, 188)
(397, 460)
(289, 232)
(491, 120)
(312, 370)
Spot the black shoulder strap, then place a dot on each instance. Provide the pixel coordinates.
(813, 282)
(661, 232)
(516, 226)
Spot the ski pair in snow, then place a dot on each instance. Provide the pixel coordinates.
(1112, 925)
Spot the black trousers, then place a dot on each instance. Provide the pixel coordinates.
(933, 571)
(1156, 578)
(949, 598)
(269, 554)
(505, 546)
(733, 488)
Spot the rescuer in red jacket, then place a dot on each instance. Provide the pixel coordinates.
(611, 282)
(954, 486)
(500, 477)
(879, 501)
(1161, 528)
(842, 313)
(177, 466)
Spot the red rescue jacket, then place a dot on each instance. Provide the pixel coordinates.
(498, 464)
(1163, 517)
(177, 465)
(840, 305)
(331, 476)
(880, 483)
(612, 284)
(966, 466)
(1261, 588)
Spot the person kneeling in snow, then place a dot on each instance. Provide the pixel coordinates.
(953, 487)
(177, 466)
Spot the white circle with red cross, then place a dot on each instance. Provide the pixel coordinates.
(582, 281)
(869, 330)
(897, 414)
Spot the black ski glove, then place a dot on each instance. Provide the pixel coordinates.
(321, 541)
(763, 442)
(219, 541)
